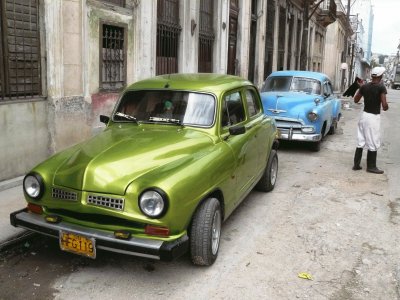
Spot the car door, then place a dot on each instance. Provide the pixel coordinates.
(259, 132)
(328, 103)
(233, 115)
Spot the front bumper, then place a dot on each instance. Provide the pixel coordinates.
(293, 134)
(105, 240)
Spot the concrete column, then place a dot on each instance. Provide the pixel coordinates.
(221, 27)
(72, 47)
(189, 40)
(260, 42)
(54, 47)
(243, 41)
(145, 41)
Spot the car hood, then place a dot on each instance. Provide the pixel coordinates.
(287, 104)
(110, 161)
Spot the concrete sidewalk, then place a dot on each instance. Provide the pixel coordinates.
(11, 199)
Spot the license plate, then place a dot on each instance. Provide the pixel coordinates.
(77, 244)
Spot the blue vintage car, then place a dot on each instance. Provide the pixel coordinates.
(303, 105)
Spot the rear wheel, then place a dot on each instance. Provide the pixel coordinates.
(205, 233)
(268, 179)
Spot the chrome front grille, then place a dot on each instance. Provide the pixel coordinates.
(57, 193)
(113, 203)
(288, 124)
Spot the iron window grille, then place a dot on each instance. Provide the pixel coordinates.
(206, 36)
(168, 31)
(290, 42)
(253, 38)
(281, 38)
(269, 38)
(298, 44)
(112, 57)
(19, 49)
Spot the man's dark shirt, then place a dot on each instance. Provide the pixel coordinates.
(372, 97)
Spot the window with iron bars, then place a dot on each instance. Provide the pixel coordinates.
(206, 36)
(19, 49)
(269, 38)
(168, 31)
(281, 38)
(112, 57)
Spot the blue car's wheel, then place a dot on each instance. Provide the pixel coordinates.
(333, 127)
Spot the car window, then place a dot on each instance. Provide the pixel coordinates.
(306, 85)
(232, 109)
(253, 105)
(327, 88)
(188, 108)
(277, 83)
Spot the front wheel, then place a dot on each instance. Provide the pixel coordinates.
(205, 233)
(268, 179)
(332, 129)
(315, 146)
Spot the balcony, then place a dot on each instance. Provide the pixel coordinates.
(326, 14)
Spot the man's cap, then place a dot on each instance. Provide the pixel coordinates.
(377, 71)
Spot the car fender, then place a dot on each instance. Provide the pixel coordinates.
(187, 186)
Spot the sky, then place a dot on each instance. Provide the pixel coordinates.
(386, 30)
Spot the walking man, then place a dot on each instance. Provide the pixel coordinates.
(368, 133)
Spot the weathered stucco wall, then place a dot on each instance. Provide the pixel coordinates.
(24, 137)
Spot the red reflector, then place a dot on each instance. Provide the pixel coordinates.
(37, 209)
(156, 230)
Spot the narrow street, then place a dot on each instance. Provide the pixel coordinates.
(338, 225)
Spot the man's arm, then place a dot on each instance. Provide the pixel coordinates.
(357, 97)
(384, 103)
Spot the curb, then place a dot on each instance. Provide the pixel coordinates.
(8, 184)
(16, 239)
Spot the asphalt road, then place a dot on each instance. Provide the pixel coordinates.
(341, 227)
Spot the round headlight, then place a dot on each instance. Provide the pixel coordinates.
(33, 185)
(312, 116)
(153, 203)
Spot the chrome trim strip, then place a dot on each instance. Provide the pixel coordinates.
(300, 136)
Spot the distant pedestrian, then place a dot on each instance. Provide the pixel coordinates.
(368, 133)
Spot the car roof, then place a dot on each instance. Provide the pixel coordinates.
(309, 74)
(205, 82)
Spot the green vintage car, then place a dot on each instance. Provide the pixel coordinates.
(178, 155)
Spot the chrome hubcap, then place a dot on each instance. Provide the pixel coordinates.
(274, 170)
(216, 232)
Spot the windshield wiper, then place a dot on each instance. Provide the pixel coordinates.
(125, 116)
(165, 120)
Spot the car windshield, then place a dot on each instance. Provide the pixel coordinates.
(292, 84)
(171, 107)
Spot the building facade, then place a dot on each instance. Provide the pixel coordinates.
(338, 49)
(65, 61)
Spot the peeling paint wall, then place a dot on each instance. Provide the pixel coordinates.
(24, 137)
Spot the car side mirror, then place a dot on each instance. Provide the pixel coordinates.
(236, 130)
(104, 119)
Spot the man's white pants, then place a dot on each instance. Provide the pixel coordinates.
(368, 134)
